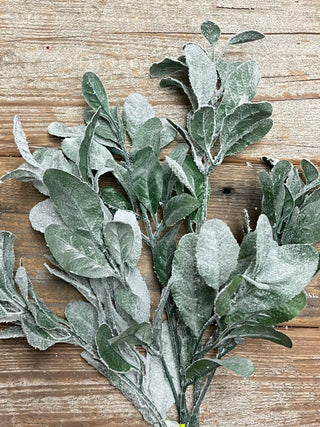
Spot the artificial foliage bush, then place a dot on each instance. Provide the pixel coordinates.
(215, 291)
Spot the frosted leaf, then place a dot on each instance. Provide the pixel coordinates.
(43, 214)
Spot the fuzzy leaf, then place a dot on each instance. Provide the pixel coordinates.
(211, 31)
(284, 313)
(22, 143)
(201, 127)
(43, 214)
(13, 332)
(245, 37)
(84, 150)
(202, 73)
(36, 336)
(130, 218)
(118, 237)
(178, 208)
(94, 92)
(134, 300)
(148, 135)
(166, 66)
(171, 82)
(136, 334)
(75, 253)
(203, 367)
(83, 318)
(180, 174)
(163, 255)
(192, 296)
(217, 253)
(240, 87)
(277, 274)
(108, 354)
(246, 125)
(78, 205)
(147, 178)
(310, 171)
(260, 332)
(114, 199)
(136, 111)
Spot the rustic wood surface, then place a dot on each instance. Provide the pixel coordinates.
(45, 47)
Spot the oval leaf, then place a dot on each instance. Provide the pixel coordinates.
(94, 92)
(76, 254)
(108, 354)
(217, 253)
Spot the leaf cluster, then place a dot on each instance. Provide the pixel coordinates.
(215, 292)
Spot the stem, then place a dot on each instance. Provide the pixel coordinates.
(195, 412)
(169, 378)
(184, 413)
(205, 197)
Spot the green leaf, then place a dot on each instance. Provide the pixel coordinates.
(277, 274)
(166, 66)
(202, 73)
(136, 111)
(108, 354)
(284, 313)
(240, 87)
(201, 125)
(203, 367)
(222, 302)
(76, 254)
(36, 336)
(179, 173)
(130, 218)
(211, 31)
(83, 319)
(135, 298)
(78, 205)
(310, 171)
(114, 199)
(43, 214)
(94, 92)
(178, 154)
(118, 237)
(13, 332)
(167, 134)
(261, 332)
(62, 131)
(178, 208)
(192, 296)
(217, 253)
(246, 125)
(147, 178)
(136, 334)
(245, 37)
(148, 135)
(84, 150)
(163, 255)
(171, 82)
(304, 225)
(22, 143)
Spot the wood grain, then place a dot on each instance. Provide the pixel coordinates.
(57, 388)
(45, 47)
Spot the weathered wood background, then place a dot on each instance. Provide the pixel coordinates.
(45, 47)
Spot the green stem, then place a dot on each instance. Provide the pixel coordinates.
(172, 386)
(205, 197)
(196, 409)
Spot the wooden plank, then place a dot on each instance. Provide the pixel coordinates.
(45, 85)
(57, 388)
(48, 19)
(234, 187)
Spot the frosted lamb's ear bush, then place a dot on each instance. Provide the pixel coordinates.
(214, 291)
